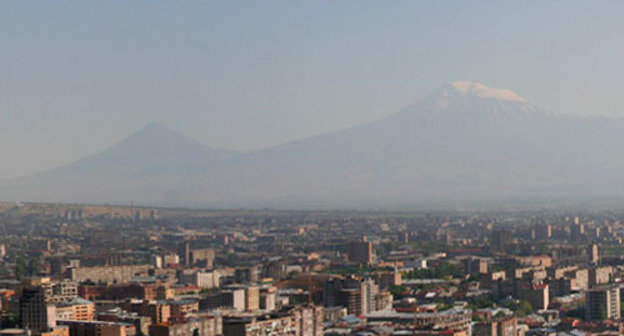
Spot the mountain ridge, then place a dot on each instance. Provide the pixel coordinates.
(464, 142)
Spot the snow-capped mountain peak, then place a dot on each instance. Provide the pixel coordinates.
(462, 90)
(479, 90)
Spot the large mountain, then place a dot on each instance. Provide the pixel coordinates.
(466, 144)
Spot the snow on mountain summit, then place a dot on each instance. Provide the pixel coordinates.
(459, 92)
(479, 90)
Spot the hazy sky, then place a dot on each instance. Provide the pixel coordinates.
(77, 76)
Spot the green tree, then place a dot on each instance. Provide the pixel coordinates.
(520, 307)
(195, 332)
(603, 314)
(523, 308)
(397, 290)
(33, 267)
(20, 268)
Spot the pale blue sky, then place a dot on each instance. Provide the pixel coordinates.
(77, 76)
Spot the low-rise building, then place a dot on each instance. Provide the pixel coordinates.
(195, 326)
(77, 309)
(98, 328)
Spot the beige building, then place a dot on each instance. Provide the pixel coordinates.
(252, 298)
(592, 253)
(77, 310)
(234, 298)
(158, 311)
(200, 279)
(297, 321)
(268, 298)
(598, 276)
(503, 326)
(98, 328)
(205, 326)
(108, 274)
(180, 308)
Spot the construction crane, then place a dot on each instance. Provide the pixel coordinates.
(304, 281)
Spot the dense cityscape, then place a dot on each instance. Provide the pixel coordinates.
(311, 168)
(77, 270)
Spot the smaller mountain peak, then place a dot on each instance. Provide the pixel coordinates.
(157, 132)
(478, 90)
(155, 126)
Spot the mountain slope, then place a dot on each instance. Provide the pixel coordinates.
(465, 143)
(148, 166)
(456, 144)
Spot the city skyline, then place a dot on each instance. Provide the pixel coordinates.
(311, 168)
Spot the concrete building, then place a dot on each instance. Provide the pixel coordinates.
(352, 299)
(266, 325)
(180, 308)
(475, 265)
(577, 232)
(108, 274)
(542, 231)
(247, 275)
(502, 326)
(309, 319)
(141, 323)
(203, 257)
(592, 254)
(598, 276)
(538, 295)
(200, 279)
(234, 298)
(361, 252)
(370, 291)
(500, 240)
(37, 315)
(383, 301)
(268, 298)
(170, 259)
(77, 309)
(297, 321)
(60, 291)
(203, 326)
(274, 268)
(456, 319)
(386, 279)
(357, 295)
(98, 328)
(157, 261)
(603, 302)
(158, 311)
(252, 298)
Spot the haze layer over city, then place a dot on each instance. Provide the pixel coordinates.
(311, 168)
(348, 105)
